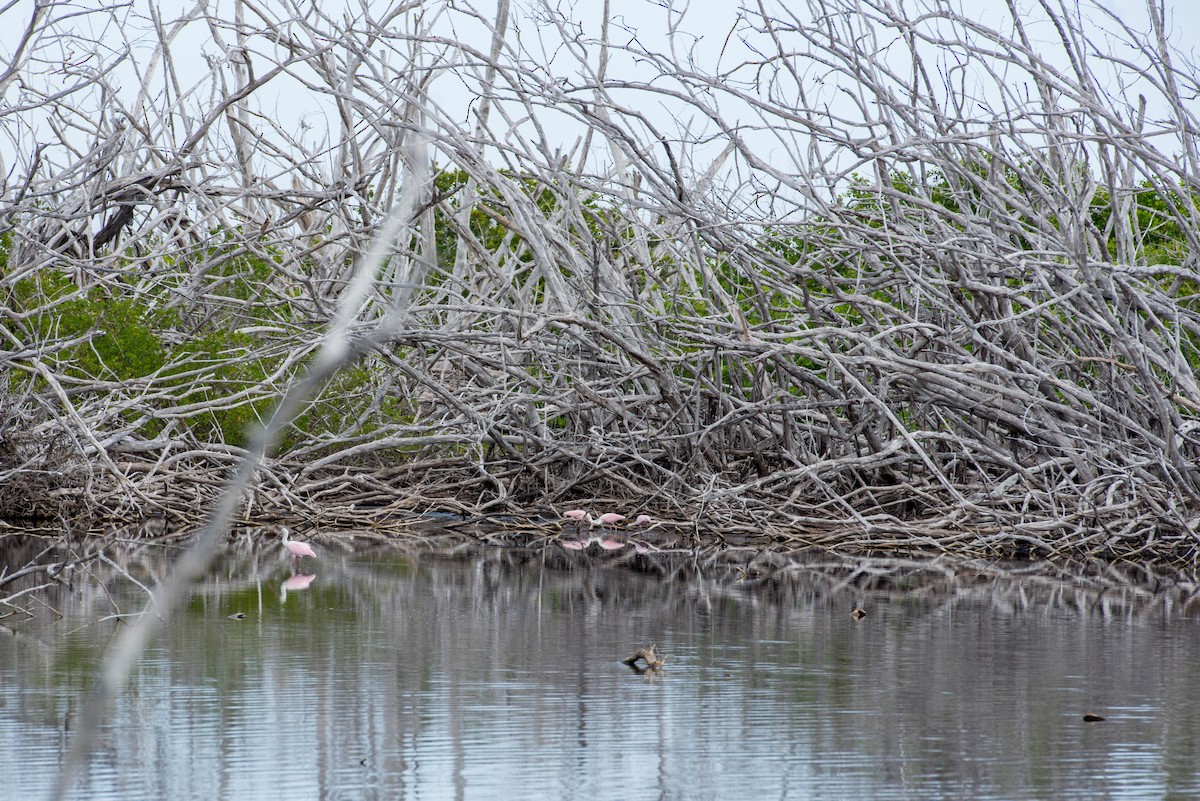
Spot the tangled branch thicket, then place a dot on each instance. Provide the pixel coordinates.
(866, 272)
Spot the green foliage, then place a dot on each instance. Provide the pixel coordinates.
(485, 227)
(352, 402)
(106, 333)
(1154, 215)
(215, 352)
(224, 356)
(490, 212)
(114, 332)
(1154, 222)
(246, 279)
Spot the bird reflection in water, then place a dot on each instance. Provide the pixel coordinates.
(299, 581)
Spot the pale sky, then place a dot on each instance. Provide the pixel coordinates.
(708, 30)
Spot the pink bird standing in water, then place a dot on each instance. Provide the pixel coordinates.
(298, 550)
(580, 516)
(576, 516)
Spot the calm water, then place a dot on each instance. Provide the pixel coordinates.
(421, 677)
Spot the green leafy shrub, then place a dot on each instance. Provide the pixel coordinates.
(102, 334)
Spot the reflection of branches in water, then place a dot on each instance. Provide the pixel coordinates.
(624, 580)
(706, 576)
(384, 647)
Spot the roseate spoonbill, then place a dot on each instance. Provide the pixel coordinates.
(643, 521)
(577, 516)
(609, 519)
(298, 550)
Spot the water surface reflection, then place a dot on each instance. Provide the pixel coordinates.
(386, 675)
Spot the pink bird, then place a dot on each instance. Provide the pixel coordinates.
(298, 550)
(643, 521)
(580, 516)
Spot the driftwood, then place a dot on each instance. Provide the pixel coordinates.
(848, 305)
